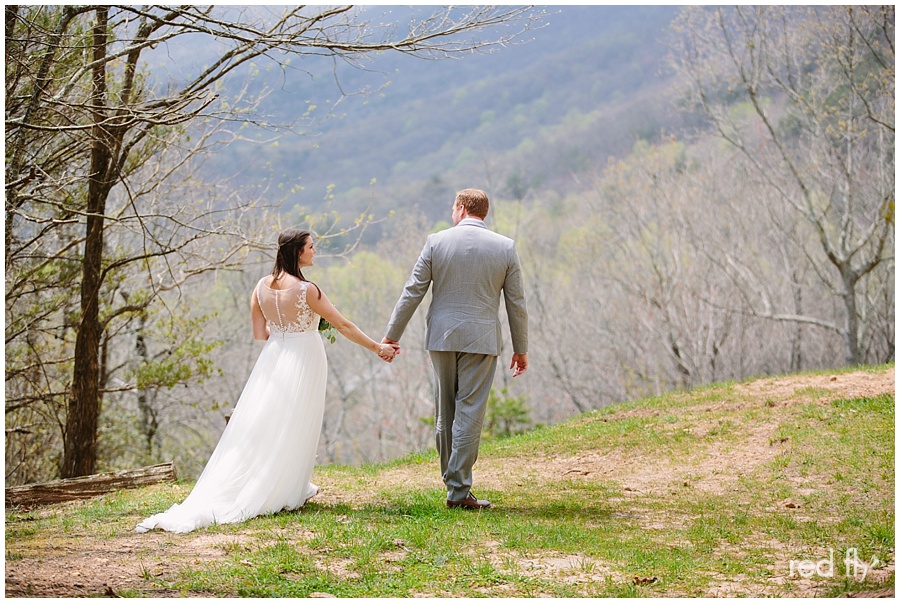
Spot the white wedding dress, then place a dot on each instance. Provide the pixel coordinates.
(265, 457)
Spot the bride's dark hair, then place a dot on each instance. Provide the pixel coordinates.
(287, 259)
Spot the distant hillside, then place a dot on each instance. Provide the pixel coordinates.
(585, 87)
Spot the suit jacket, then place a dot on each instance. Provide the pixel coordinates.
(469, 266)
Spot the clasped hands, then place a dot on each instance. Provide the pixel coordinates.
(388, 349)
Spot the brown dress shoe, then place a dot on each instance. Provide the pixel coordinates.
(469, 503)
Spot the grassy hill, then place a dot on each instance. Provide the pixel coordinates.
(732, 490)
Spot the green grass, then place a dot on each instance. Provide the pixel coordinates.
(822, 479)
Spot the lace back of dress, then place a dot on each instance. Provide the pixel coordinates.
(286, 310)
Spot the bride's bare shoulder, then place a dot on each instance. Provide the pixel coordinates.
(282, 283)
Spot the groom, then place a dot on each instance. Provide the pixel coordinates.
(469, 266)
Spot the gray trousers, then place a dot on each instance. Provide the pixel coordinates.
(463, 384)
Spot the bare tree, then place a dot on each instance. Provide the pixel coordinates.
(806, 94)
(82, 121)
(632, 294)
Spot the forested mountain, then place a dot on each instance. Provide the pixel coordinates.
(570, 94)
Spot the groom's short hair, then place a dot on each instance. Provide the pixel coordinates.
(475, 201)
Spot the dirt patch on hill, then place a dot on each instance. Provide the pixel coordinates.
(79, 565)
(714, 468)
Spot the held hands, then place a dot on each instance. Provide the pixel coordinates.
(386, 352)
(387, 349)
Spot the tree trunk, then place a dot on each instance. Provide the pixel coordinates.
(89, 486)
(149, 424)
(797, 337)
(851, 330)
(84, 406)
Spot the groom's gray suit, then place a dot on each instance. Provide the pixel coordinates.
(469, 266)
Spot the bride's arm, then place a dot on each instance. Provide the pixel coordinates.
(260, 328)
(324, 308)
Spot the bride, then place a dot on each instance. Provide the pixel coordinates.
(264, 459)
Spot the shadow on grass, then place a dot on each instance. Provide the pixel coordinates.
(431, 506)
(592, 512)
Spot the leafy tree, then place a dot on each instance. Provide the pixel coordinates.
(506, 415)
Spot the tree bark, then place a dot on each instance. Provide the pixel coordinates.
(84, 406)
(88, 486)
(851, 333)
(149, 423)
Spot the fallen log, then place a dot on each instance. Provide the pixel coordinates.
(88, 486)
